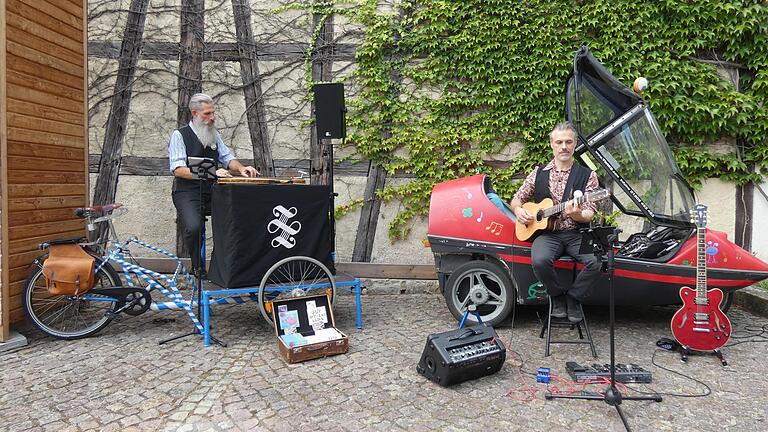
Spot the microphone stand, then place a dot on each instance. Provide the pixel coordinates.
(204, 170)
(603, 239)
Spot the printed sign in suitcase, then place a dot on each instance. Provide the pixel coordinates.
(305, 328)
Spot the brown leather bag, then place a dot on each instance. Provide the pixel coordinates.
(69, 270)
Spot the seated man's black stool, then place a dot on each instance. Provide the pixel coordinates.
(565, 323)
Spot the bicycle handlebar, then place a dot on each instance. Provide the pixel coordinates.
(83, 212)
(117, 213)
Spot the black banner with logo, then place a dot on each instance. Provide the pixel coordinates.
(255, 226)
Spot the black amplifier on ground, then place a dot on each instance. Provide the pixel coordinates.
(630, 373)
(459, 355)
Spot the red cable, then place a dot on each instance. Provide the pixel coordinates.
(570, 387)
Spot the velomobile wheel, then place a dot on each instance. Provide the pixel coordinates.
(484, 284)
(294, 276)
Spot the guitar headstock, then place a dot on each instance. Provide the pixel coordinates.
(699, 215)
(598, 195)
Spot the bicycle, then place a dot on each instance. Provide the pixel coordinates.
(75, 316)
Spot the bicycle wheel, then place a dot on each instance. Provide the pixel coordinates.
(65, 316)
(294, 276)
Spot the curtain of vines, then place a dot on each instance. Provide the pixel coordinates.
(444, 85)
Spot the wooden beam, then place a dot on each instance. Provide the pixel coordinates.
(190, 78)
(62, 16)
(40, 44)
(43, 98)
(49, 73)
(40, 203)
(744, 215)
(59, 177)
(37, 137)
(221, 51)
(18, 218)
(31, 27)
(369, 215)
(322, 71)
(114, 134)
(388, 271)
(43, 190)
(5, 307)
(42, 18)
(43, 58)
(48, 151)
(158, 166)
(41, 125)
(255, 111)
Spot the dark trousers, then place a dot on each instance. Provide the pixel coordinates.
(188, 209)
(551, 245)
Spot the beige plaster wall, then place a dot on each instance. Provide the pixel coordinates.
(720, 199)
(408, 251)
(151, 215)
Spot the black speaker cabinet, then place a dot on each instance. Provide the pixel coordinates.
(459, 355)
(329, 110)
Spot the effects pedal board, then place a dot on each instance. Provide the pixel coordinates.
(630, 373)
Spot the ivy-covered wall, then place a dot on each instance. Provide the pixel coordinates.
(442, 85)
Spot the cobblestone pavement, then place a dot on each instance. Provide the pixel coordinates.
(122, 380)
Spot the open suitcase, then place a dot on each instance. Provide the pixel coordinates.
(306, 329)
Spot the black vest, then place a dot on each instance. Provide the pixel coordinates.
(577, 180)
(194, 149)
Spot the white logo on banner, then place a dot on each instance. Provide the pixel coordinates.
(286, 230)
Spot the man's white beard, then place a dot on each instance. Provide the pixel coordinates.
(206, 133)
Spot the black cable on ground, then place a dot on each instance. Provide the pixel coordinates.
(707, 392)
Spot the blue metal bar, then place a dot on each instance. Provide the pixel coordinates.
(209, 296)
(358, 301)
(464, 318)
(206, 319)
(92, 298)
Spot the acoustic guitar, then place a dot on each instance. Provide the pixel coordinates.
(700, 324)
(544, 210)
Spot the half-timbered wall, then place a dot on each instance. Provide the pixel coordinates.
(44, 123)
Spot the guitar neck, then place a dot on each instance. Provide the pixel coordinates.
(555, 209)
(701, 264)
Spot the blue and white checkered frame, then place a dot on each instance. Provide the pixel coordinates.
(157, 281)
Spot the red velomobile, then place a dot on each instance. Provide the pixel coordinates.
(480, 260)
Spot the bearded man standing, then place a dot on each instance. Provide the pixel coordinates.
(199, 139)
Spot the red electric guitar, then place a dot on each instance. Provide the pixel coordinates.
(700, 324)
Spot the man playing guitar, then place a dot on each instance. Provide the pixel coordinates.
(558, 180)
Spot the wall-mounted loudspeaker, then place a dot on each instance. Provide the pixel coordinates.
(329, 110)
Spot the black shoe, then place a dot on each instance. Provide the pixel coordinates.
(575, 314)
(558, 307)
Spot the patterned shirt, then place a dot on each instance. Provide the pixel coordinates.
(557, 180)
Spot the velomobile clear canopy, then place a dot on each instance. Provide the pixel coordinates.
(617, 130)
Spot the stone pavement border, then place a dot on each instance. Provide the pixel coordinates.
(122, 380)
(753, 299)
